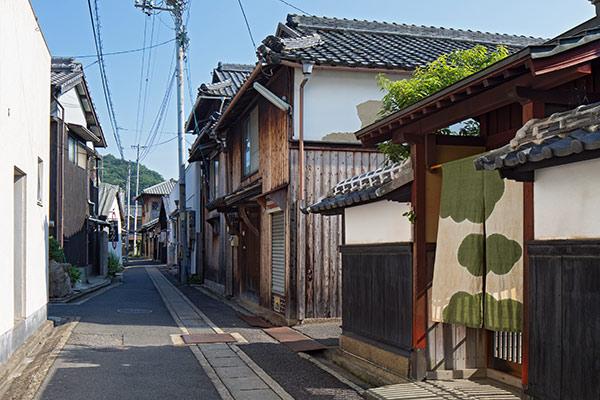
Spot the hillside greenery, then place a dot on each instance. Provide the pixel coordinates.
(115, 173)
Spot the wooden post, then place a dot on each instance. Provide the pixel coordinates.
(530, 110)
(419, 154)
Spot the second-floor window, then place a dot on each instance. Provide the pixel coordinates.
(214, 179)
(250, 146)
(77, 152)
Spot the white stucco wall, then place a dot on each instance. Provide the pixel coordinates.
(379, 222)
(25, 133)
(331, 99)
(566, 201)
(73, 109)
(192, 182)
(115, 215)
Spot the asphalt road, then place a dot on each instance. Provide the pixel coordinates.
(122, 349)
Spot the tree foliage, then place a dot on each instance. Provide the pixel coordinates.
(437, 75)
(430, 79)
(115, 173)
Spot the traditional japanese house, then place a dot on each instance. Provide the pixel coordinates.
(287, 137)
(376, 248)
(75, 134)
(472, 310)
(212, 246)
(560, 155)
(151, 201)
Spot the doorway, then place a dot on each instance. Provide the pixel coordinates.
(19, 235)
(250, 254)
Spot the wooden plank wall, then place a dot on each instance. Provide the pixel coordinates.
(377, 293)
(564, 305)
(317, 238)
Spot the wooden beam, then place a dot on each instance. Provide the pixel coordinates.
(530, 110)
(418, 154)
(563, 97)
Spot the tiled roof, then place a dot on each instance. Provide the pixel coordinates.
(358, 43)
(150, 224)
(160, 189)
(65, 73)
(560, 135)
(227, 80)
(364, 188)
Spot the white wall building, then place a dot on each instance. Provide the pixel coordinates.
(111, 207)
(24, 160)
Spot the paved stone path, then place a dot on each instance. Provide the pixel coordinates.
(458, 389)
(232, 372)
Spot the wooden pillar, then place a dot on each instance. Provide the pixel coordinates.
(530, 110)
(419, 161)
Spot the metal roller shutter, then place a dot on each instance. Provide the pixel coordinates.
(278, 253)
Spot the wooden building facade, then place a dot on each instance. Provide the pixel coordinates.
(75, 133)
(535, 82)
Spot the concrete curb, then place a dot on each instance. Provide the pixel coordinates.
(75, 296)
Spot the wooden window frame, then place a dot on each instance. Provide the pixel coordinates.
(247, 135)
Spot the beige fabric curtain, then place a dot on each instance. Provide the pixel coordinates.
(477, 280)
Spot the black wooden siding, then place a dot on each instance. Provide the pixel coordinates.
(377, 293)
(564, 301)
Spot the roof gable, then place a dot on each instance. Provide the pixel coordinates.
(67, 74)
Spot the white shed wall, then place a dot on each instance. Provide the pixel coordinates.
(331, 99)
(115, 215)
(379, 222)
(566, 201)
(25, 132)
(73, 109)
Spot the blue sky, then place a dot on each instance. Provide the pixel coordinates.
(217, 33)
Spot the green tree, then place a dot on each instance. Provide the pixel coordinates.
(115, 173)
(430, 79)
(446, 70)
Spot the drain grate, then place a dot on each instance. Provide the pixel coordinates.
(134, 311)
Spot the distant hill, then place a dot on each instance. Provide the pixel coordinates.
(115, 173)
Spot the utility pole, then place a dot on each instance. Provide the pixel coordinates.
(128, 196)
(177, 8)
(137, 190)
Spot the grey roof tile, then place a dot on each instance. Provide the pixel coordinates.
(364, 188)
(160, 189)
(226, 81)
(560, 135)
(372, 44)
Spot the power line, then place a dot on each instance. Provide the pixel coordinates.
(294, 7)
(107, 96)
(116, 53)
(247, 24)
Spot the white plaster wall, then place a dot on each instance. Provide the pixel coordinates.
(566, 201)
(379, 222)
(192, 182)
(171, 226)
(24, 129)
(73, 109)
(115, 215)
(331, 98)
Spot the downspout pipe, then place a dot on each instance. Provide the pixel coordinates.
(307, 68)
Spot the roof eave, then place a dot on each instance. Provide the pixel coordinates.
(512, 61)
(245, 87)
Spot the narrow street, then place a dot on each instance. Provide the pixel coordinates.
(136, 326)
